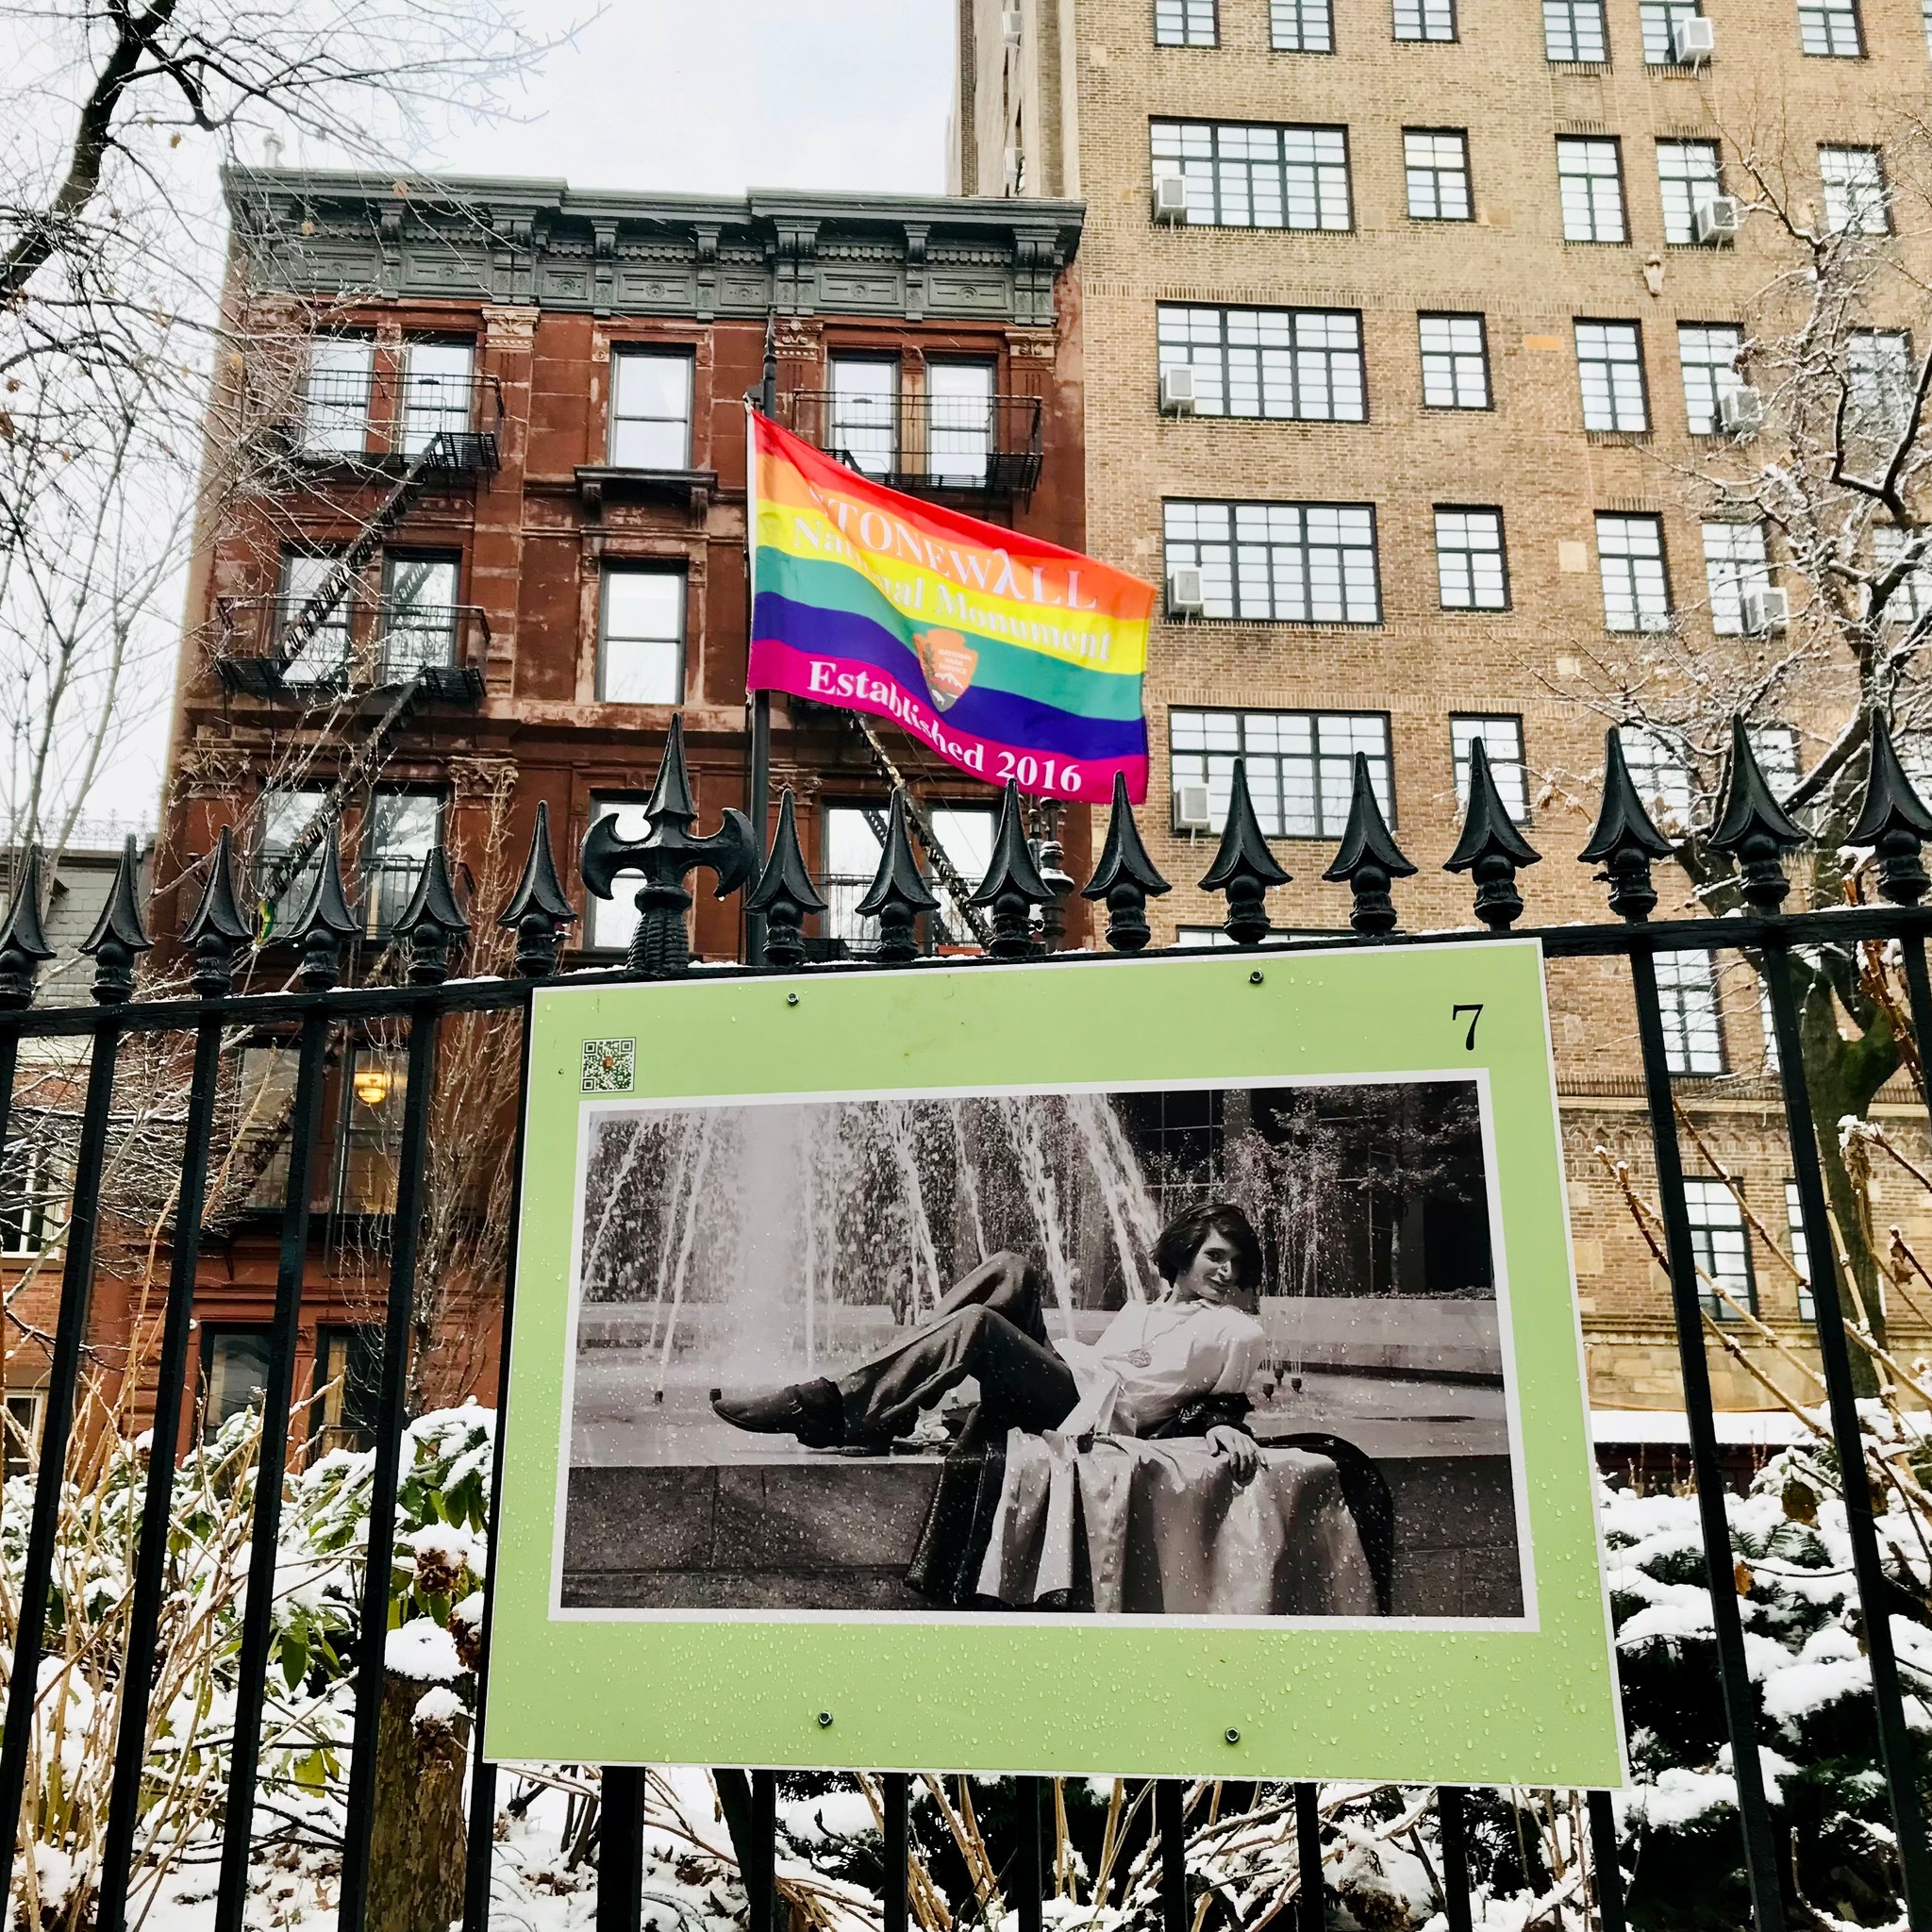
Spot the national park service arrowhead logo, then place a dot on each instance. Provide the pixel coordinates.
(948, 661)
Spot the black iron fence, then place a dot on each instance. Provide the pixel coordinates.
(432, 928)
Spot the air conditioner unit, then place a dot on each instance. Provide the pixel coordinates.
(1011, 25)
(1191, 810)
(1717, 220)
(1185, 595)
(1693, 41)
(1740, 411)
(1767, 610)
(1177, 391)
(1169, 198)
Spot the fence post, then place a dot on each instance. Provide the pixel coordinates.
(621, 1850)
(761, 1881)
(897, 1800)
(1604, 1865)
(1312, 1912)
(1170, 1820)
(1453, 1819)
(1028, 1881)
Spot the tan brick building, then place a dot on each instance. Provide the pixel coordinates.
(1403, 320)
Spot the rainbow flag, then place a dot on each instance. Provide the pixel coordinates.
(1011, 657)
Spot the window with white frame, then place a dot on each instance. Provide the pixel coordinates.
(1280, 562)
(1659, 771)
(1926, 13)
(865, 412)
(959, 411)
(1299, 764)
(1630, 555)
(1912, 598)
(419, 613)
(650, 410)
(1301, 27)
(609, 922)
(1471, 573)
(22, 1425)
(1878, 381)
(1304, 364)
(438, 379)
(1721, 1251)
(1687, 996)
(1425, 19)
(335, 399)
(286, 814)
(1436, 161)
(1800, 1249)
(1576, 30)
(1455, 362)
(1248, 175)
(1734, 563)
(312, 618)
(1776, 748)
(1855, 198)
(641, 636)
(1609, 367)
(1657, 22)
(1186, 23)
(1707, 354)
(22, 1196)
(1501, 741)
(849, 853)
(1687, 177)
(1589, 179)
(1830, 27)
(398, 833)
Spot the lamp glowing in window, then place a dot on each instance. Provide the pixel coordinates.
(372, 1085)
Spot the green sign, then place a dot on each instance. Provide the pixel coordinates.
(1155, 1366)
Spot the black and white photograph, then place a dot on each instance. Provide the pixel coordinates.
(1209, 1351)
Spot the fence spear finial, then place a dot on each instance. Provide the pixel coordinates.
(432, 922)
(1243, 867)
(785, 893)
(325, 925)
(1894, 820)
(217, 931)
(1754, 828)
(1626, 841)
(118, 936)
(1368, 860)
(1492, 850)
(23, 940)
(539, 910)
(1125, 878)
(898, 894)
(1012, 884)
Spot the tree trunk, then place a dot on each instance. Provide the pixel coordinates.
(416, 1853)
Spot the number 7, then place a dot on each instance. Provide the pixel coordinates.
(1476, 1014)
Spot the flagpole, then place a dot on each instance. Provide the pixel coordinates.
(760, 784)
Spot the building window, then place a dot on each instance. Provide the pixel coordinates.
(1436, 162)
(1574, 31)
(850, 852)
(399, 834)
(865, 413)
(419, 615)
(1425, 19)
(958, 402)
(335, 400)
(1912, 598)
(1299, 764)
(317, 653)
(1609, 365)
(234, 1374)
(1776, 748)
(1590, 178)
(377, 1086)
(1718, 1241)
(1304, 27)
(1687, 176)
(1470, 569)
(1734, 562)
(1687, 995)
(641, 638)
(1830, 26)
(1854, 197)
(1502, 739)
(1280, 562)
(1300, 363)
(650, 410)
(1708, 353)
(285, 815)
(1801, 1252)
(1455, 362)
(1878, 381)
(264, 1104)
(1185, 24)
(1249, 177)
(348, 1388)
(437, 383)
(1630, 553)
(22, 1423)
(1926, 13)
(23, 1198)
(1658, 20)
(1658, 771)
(609, 922)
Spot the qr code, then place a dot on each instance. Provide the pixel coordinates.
(610, 1065)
